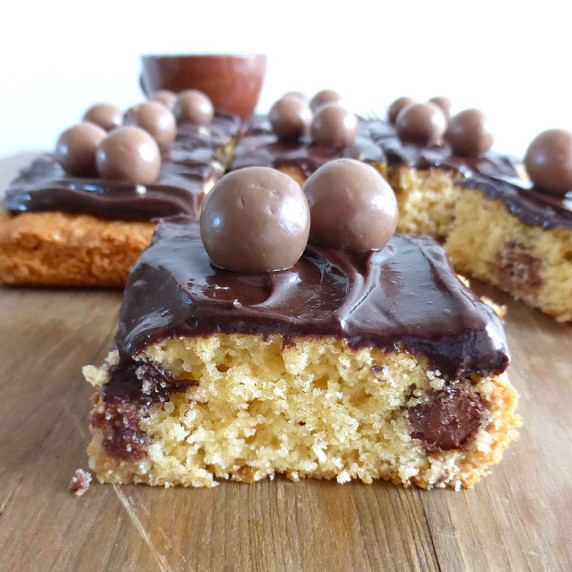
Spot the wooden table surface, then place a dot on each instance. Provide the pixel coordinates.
(518, 518)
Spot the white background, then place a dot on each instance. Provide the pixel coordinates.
(511, 59)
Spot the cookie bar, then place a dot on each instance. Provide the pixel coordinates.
(379, 364)
(495, 224)
(424, 179)
(60, 229)
(510, 235)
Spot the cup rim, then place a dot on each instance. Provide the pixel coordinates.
(206, 55)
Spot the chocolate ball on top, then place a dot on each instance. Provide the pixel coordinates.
(156, 119)
(165, 97)
(334, 125)
(129, 154)
(444, 103)
(76, 147)
(194, 106)
(548, 161)
(130, 116)
(255, 219)
(352, 207)
(421, 123)
(394, 109)
(105, 115)
(301, 96)
(290, 117)
(324, 97)
(469, 134)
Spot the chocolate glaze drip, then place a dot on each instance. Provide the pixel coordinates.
(525, 202)
(187, 166)
(402, 298)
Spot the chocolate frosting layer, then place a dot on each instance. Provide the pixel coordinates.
(260, 147)
(404, 297)
(497, 175)
(425, 157)
(188, 166)
(525, 202)
(266, 150)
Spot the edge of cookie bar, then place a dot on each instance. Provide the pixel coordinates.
(55, 248)
(313, 408)
(531, 263)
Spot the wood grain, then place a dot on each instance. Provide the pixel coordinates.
(518, 518)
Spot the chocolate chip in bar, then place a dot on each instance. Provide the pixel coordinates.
(469, 134)
(156, 119)
(449, 419)
(334, 125)
(129, 154)
(421, 123)
(290, 117)
(76, 147)
(548, 161)
(106, 115)
(352, 207)
(255, 219)
(194, 106)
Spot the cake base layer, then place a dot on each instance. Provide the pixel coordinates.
(426, 199)
(484, 240)
(532, 263)
(69, 250)
(257, 406)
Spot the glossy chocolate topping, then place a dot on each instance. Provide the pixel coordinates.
(404, 297)
(187, 166)
(394, 109)
(444, 103)
(424, 157)
(351, 206)
(260, 147)
(421, 123)
(468, 133)
(298, 94)
(548, 161)
(193, 106)
(255, 220)
(324, 97)
(76, 148)
(524, 201)
(334, 125)
(129, 154)
(106, 115)
(164, 97)
(156, 119)
(290, 117)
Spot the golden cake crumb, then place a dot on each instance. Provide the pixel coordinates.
(311, 408)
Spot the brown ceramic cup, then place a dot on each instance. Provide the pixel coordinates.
(232, 82)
